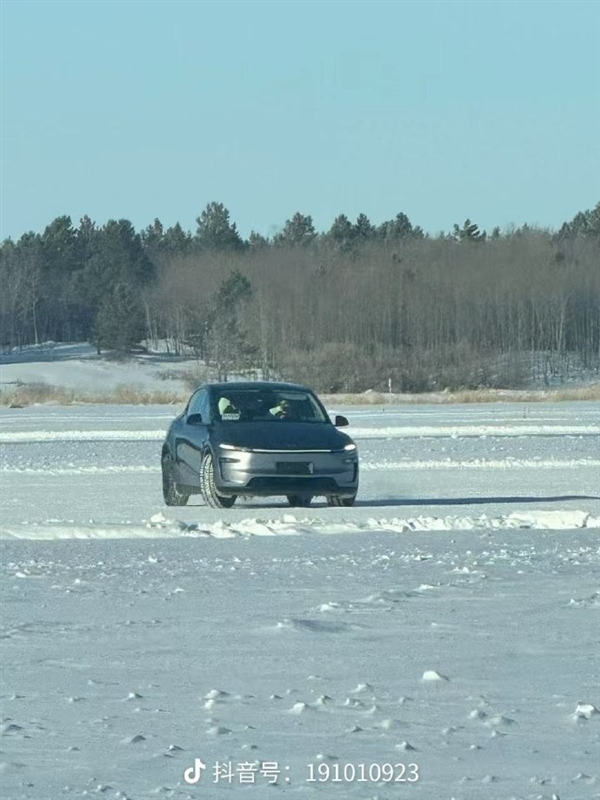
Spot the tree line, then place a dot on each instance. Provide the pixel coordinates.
(347, 309)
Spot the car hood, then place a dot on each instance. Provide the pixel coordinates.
(282, 435)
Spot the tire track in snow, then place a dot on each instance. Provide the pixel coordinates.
(24, 437)
(392, 432)
(481, 463)
(366, 466)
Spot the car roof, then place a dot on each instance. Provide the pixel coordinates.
(239, 385)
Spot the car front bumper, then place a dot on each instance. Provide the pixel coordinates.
(280, 472)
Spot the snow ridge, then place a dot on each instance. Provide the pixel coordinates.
(159, 526)
(391, 432)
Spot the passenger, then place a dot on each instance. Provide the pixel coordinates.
(226, 407)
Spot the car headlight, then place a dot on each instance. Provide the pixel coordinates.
(350, 447)
(234, 447)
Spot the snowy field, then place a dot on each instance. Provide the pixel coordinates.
(446, 628)
(78, 367)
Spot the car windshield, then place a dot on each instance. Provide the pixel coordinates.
(268, 405)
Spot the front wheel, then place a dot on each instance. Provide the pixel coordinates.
(299, 500)
(336, 500)
(208, 488)
(172, 494)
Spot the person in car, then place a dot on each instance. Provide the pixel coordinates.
(226, 407)
(283, 410)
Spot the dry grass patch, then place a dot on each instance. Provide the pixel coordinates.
(38, 393)
(130, 395)
(582, 393)
(28, 394)
(31, 394)
(467, 396)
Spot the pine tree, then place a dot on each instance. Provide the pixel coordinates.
(297, 231)
(119, 323)
(227, 341)
(469, 232)
(342, 233)
(215, 231)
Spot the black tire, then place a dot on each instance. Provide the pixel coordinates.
(299, 500)
(207, 486)
(336, 500)
(172, 494)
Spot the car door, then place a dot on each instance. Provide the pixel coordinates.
(192, 436)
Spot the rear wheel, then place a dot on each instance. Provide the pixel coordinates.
(299, 500)
(336, 500)
(172, 494)
(208, 488)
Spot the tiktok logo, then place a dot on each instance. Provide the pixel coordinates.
(193, 774)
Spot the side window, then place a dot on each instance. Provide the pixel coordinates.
(199, 404)
(205, 406)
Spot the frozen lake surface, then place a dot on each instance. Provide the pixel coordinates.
(450, 620)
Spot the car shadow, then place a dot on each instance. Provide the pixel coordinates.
(411, 501)
(469, 501)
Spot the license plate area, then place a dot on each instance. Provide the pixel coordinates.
(294, 468)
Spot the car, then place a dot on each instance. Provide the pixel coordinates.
(260, 439)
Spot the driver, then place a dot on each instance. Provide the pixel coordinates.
(283, 410)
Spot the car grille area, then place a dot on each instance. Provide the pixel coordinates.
(291, 483)
(277, 473)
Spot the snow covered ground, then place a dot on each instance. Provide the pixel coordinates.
(78, 368)
(450, 620)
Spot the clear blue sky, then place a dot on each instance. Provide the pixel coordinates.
(442, 110)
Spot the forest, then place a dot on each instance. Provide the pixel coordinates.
(346, 310)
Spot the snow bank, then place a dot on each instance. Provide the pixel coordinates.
(462, 431)
(159, 526)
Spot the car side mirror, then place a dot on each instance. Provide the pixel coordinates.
(340, 421)
(194, 419)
